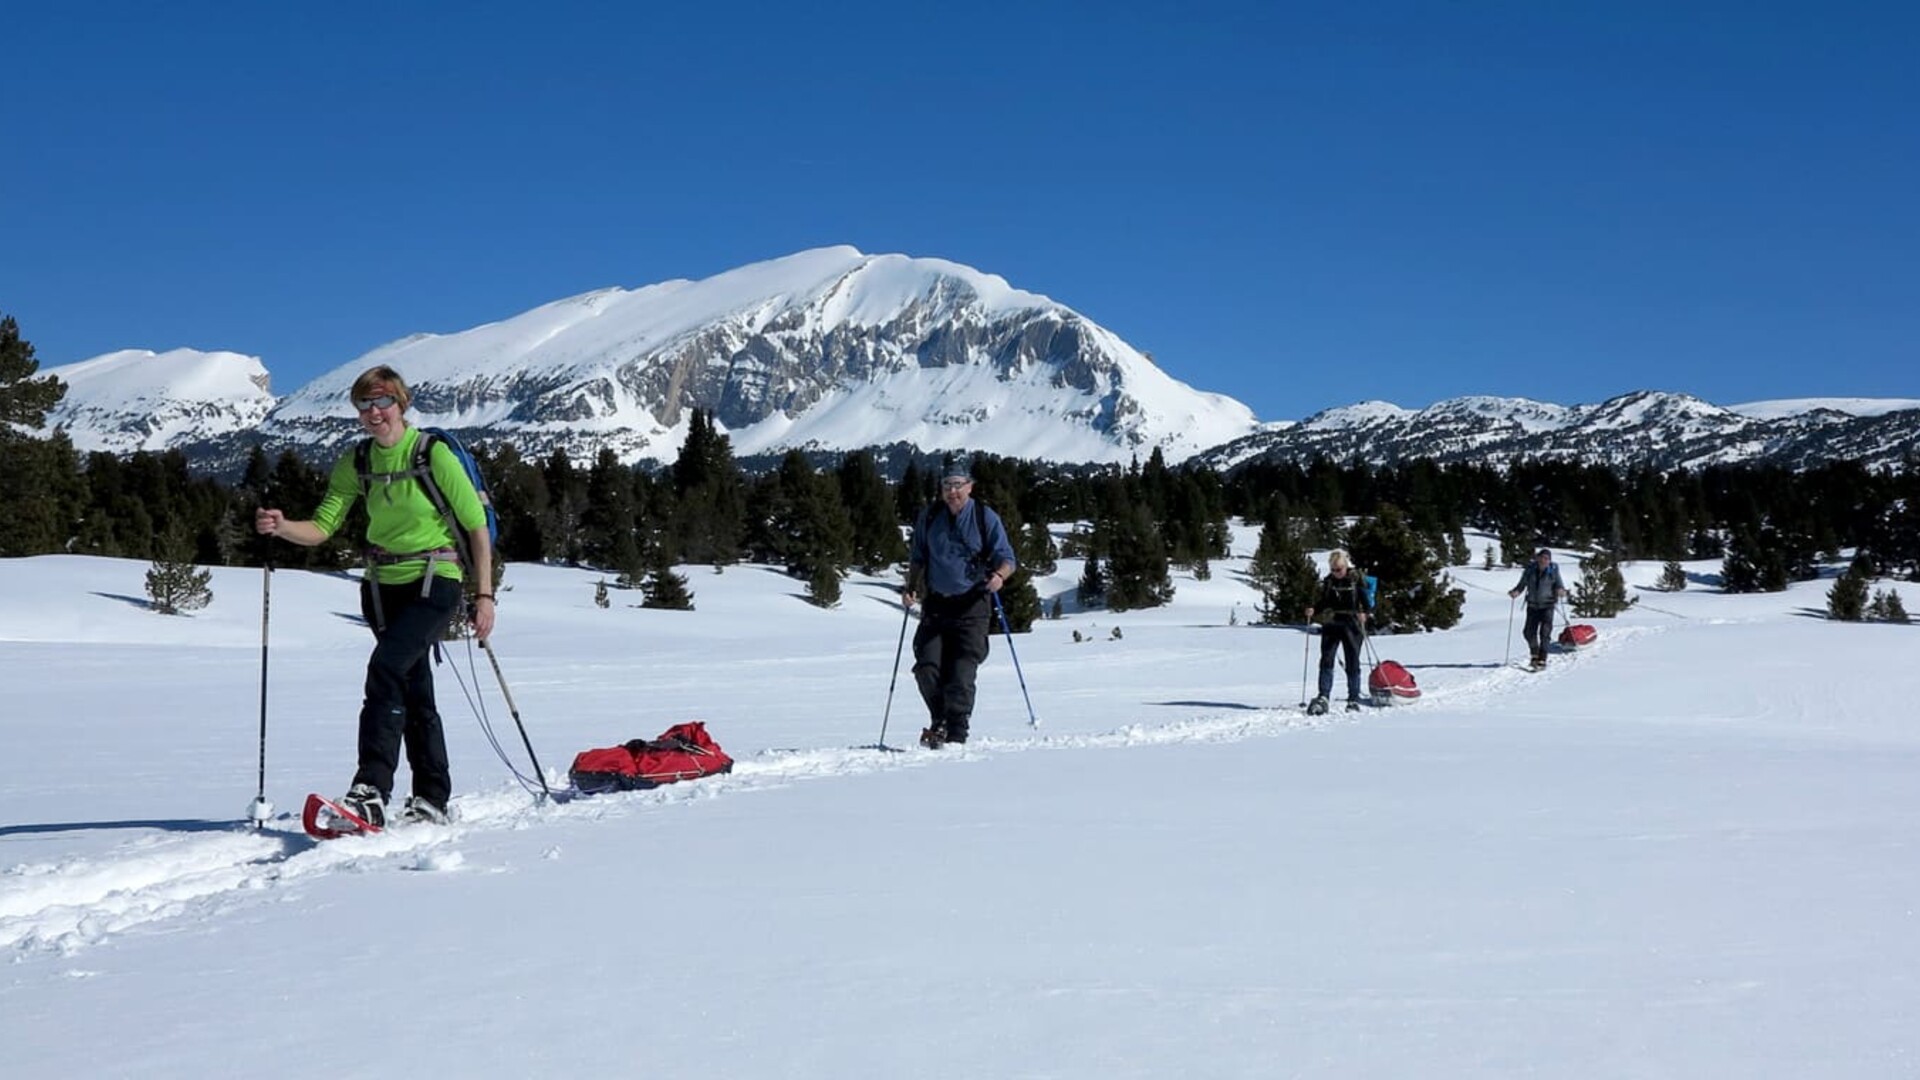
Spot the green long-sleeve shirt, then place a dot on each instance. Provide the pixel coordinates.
(401, 518)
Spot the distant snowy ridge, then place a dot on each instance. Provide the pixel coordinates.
(135, 399)
(1783, 408)
(828, 349)
(1645, 428)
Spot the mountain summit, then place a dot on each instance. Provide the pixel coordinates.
(828, 349)
(135, 399)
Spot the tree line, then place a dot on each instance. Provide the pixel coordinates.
(1133, 525)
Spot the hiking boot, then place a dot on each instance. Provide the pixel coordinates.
(1317, 707)
(365, 802)
(933, 738)
(1352, 705)
(419, 811)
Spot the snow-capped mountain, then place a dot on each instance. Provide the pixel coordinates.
(140, 400)
(1650, 428)
(828, 349)
(833, 349)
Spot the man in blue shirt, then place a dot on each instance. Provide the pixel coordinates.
(959, 555)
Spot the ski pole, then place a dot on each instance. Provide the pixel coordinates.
(1306, 645)
(514, 710)
(1507, 657)
(261, 810)
(1032, 720)
(906, 613)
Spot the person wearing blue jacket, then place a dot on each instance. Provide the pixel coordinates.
(958, 558)
(1540, 583)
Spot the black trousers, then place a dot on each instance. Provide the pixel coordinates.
(947, 652)
(399, 704)
(1539, 631)
(1340, 635)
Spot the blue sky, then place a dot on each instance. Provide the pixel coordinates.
(1298, 205)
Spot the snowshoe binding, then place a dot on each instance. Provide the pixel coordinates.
(419, 811)
(1353, 705)
(933, 738)
(1317, 707)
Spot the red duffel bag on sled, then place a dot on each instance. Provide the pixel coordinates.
(682, 752)
(1389, 681)
(1578, 636)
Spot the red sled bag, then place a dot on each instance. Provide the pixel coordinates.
(1578, 636)
(682, 752)
(1390, 681)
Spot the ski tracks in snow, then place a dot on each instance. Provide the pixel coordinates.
(64, 906)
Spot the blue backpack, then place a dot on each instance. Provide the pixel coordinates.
(420, 470)
(1372, 585)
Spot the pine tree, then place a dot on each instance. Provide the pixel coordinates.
(1092, 590)
(1020, 601)
(1282, 572)
(24, 399)
(1755, 562)
(1036, 550)
(1414, 590)
(1847, 599)
(1737, 572)
(664, 589)
(875, 528)
(823, 586)
(1516, 543)
(710, 507)
(799, 523)
(43, 495)
(1673, 577)
(1886, 607)
(1137, 570)
(174, 584)
(1601, 592)
(608, 520)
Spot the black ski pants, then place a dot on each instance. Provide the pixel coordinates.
(1539, 631)
(1340, 635)
(399, 704)
(947, 652)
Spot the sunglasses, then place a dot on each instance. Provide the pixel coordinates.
(954, 485)
(384, 401)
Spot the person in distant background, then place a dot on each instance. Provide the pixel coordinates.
(1540, 583)
(410, 593)
(959, 556)
(1342, 602)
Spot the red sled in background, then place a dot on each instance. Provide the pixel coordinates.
(682, 752)
(1390, 682)
(1578, 636)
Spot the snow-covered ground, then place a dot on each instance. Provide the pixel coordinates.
(1688, 851)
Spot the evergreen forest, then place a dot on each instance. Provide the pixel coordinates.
(1134, 524)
